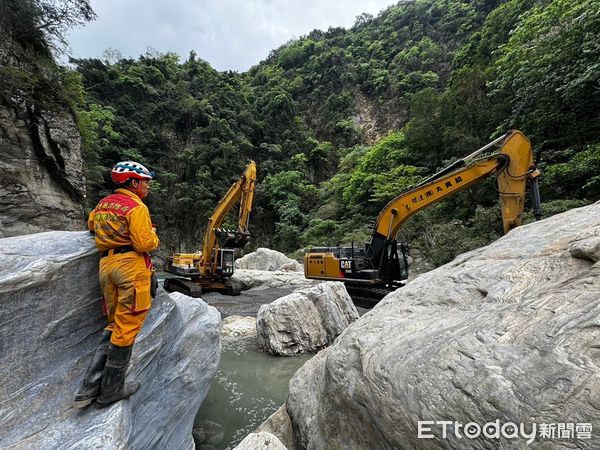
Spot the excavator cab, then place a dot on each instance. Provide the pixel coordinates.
(351, 263)
(225, 260)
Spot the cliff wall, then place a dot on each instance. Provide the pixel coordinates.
(42, 186)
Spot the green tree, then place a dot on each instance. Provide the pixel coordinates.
(42, 24)
(97, 142)
(578, 178)
(547, 75)
(291, 197)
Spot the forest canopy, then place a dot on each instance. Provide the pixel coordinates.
(343, 120)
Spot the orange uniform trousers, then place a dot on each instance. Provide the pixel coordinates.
(125, 282)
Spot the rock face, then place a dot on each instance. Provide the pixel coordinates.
(508, 332)
(279, 424)
(259, 441)
(277, 279)
(42, 187)
(238, 326)
(305, 321)
(267, 259)
(50, 322)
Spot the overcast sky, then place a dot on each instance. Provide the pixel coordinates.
(229, 34)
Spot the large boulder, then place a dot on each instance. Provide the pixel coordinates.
(238, 327)
(280, 425)
(42, 185)
(267, 259)
(50, 323)
(306, 320)
(260, 441)
(238, 332)
(250, 278)
(509, 333)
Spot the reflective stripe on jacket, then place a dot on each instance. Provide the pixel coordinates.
(123, 219)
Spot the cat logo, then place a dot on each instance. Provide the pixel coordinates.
(346, 265)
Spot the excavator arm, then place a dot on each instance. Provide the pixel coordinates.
(242, 191)
(210, 268)
(513, 166)
(379, 264)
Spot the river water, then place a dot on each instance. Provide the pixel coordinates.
(249, 385)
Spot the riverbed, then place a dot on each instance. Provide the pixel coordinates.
(249, 385)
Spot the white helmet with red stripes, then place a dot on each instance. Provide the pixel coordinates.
(126, 170)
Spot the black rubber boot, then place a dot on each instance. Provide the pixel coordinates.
(113, 387)
(89, 388)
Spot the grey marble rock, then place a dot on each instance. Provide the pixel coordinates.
(50, 323)
(252, 278)
(306, 320)
(279, 424)
(42, 185)
(509, 332)
(259, 441)
(266, 259)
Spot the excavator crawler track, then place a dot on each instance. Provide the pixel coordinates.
(366, 296)
(198, 288)
(184, 286)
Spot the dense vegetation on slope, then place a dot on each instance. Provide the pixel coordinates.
(341, 121)
(37, 28)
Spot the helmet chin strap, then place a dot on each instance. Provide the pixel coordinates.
(137, 190)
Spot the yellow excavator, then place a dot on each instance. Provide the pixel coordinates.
(378, 268)
(211, 268)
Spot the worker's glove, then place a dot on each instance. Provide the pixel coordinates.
(153, 284)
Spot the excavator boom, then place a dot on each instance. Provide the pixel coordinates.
(242, 191)
(211, 268)
(513, 166)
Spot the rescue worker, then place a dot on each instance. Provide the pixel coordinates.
(124, 235)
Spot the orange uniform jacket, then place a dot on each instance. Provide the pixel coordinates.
(123, 219)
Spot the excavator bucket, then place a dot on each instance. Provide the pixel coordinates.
(231, 238)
